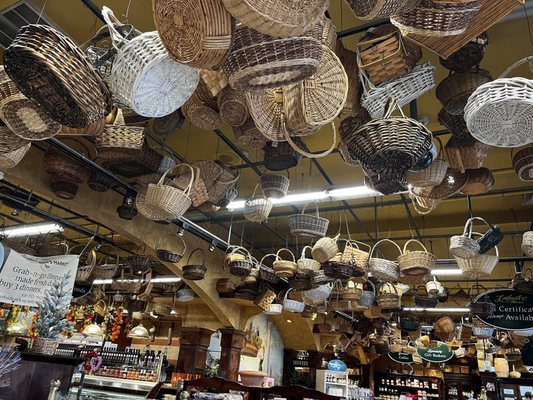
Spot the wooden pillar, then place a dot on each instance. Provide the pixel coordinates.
(194, 343)
(232, 342)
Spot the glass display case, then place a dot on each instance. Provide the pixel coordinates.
(461, 387)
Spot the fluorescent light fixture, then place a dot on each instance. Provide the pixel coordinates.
(354, 192)
(32, 229)
(438, 309)
(161, 279)
(447, 271)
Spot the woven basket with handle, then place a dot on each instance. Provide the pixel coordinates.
(376, 9)
(247, 135)
(307, 264)
(232, 106)
(416, 262)
(325, 249)
(431, 176)
(120, 135)
(467, 57)
(280, 156)
(86, 263)
(166, 252)
(456, 124)
(464, 246)
(381, 268)
(195, 271)
(284, 268)
(523, 163)
(479, 265)
(453, 92)
(257, 208)
(356, 256)
(274, 186)
(308, 225)
(479, 181)
(201, 114)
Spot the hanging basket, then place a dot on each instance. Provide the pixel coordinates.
(247, 135)
(431, 176)
(277, 18)
(527, 243)
(257, 60)
(391, 144)
(232, 107)
(12, 158)
(478, 266)
(292, 305)
(266, 109)
(120, 135)
(199, 193)
(307, 265)
(452, 183)
(168, 253)
(266, 273)
(21, 115)
(416, 262)
(387, 182)
(185, 295)
(280, 156)
(464, 246)
(201, 114)
(107, 267)
(337, 269)
(195, 33)
(49, 69)
(317, 295)
(9, 141)
(145, 77)
(523, 164)
(479, 181)
(274, 186)
(325, 249)
(377, 9)
(384, 55)
(354, 255)
(257, 208)
(285, 268)
(300, 281)
(127, 282)
(523, 281)
(467, 57)
(438, 17)
(388, 297)
(307, 225)
(86, 263)
(196, 271)
(49, 247)
(241, 266)
(424, 301)
(453, 92)
(456, 124)
(465, 153)
(383, 269)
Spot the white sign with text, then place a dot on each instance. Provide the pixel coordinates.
(24, 279)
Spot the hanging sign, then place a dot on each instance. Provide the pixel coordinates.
(24, 279)
(337, 365)
(81, 290)
(438, 354)
(402, 358)
(514, 310)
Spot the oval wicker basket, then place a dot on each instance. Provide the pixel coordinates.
(266, 109)
(257, 208)
(12, 158)
(194, 271)
(377, 9)
(464, 246)
(292, 305)
(51, 70)
(307, 225)
(9, 141)
(168, 253)
(284, 268)
(479, 181)
(275, 186)
(438, 17)
(523, 164)
(416, 262)
(232, 107)
(383, 269)
(145, 77)
(325, 249)
(353, 254)
(277, 17)
(242, 265)
(430, 176)
(196, 33)
(201, 114)
(453, 92)
(465, 153)
(120, 135)
(280, 156)
(247, 135)
(467, 57)
(478, 266)
(257, 60)
(307, 264)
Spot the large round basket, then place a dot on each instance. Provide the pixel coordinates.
(145, 77)
(523, 164)
(277, 17)
(383, 269)
(325, 249)
(499, 112)
(274, 186)
(479, 181)
(479, 266)
(453, 92)
(247, 135)
(280, 156)
(168, 253)
(195, 271)
(260, 61)
(416, 262)
(196, 33)
(266, 109)
(307, 225)
(51, 70)
(120, 135)
(391, 144)
(452, 183)
(376, 9)
(232, 106)
(284, 268)
(257, 208)
(438, 17)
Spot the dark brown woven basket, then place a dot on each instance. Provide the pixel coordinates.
(468, 56)
(140, 264)
(454, 123)
(282, 156)
(195, 271)
(64, 189)
(339, 270)
(225, 285)
(130, 162)
(387, 182)
(376, 9)
(50, 69)
(453, 92)
(259, 61)
(99, 183)
(300, 281)
(424, 301)
(241, 267)
(267, 274)
(320, 278)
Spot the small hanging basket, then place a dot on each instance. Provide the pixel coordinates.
(337, 269)
(300, 281)
(257, 208)
(12, 158)
(168, 253)
(523, 164)
(424, 301)
(201, 114)
(195, 272)
(351, 291)
(120, 135)
(527, 243)
(389, 298)
(292, 305)
(523, 282)
(225, 286)
(479, 181)
(480, 265)
(431, 176)
(307, 265)
(416, 262)
(86, 263)
(319, 278)
(325, 249)
(232, 106)
(464, 246)
(127, 282)
(456, 124)
(484, 307)
(383, 269)
(266, 273)
(274, 186)
(465, 153)
(467, 57)
(280, 156)
(482, 330)
(106, 268)
(307, 225)
(285, 268)
(241, 266)
(368, 296)
(247, 135)
(184, 295)
(354, 255)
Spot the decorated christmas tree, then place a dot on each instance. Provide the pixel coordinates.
(53, 310)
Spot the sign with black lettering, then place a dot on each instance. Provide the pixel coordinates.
(24, 279)
(514, 310)
(402, 358)
(438, 354)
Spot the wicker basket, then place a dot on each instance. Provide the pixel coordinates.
(527, 243)
(307, 265)
(127, 282)
(86, 263)
(21, 115)
(169, 199)
(478, 266)
(423, 205)
(307, 225)
(280, 156)
(464, 246)
(325, 249)
(232, 106)
(12, 158)
(348, 59)
(317, 100)
(257, 208)
(277, 18)
(424, 301)
(392, 144)
(120, 135)
(523, 281)
(300, 281)
(130, 162)
(164, 126)
(49, 69)
(496, 113)
(453, 92)
(145, 77)
(406, 88)
(266, 273)
(376, 9)
(465, 153)
(337, 269)
(431, 176)
(275, 186)
(196, 33)
(168, 253)
(292, 305)
(107, 267)
(384, 55)
(257, 60)
(266, 109)
(523, 164)
(354, 255)
(387, 183)
(479, 181)
(383, 269)
(225, 285)
(438, 17)
(240, 266)
(468, 56)
(388, 297)
(284, 268)
(317, 295)
(218, 179)
(9, 141)
(196, 271)
(247, 135)
(416, 262)
(456, 124)
(201, 114)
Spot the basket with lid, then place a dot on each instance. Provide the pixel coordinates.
(308, 225)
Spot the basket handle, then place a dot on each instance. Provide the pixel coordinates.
(303, 152)
(286, 294)
(110, 19)
(476, 285)
(187, 190)
(393, 104)
(372, 286)
(183, 244)
(234, 249)
(194, 251)
(316, 207)
(287, 251)
(303, 252)
(265, 256)
(516, 65)
(387, 284)
(357, 243)
(92, 253)
(413, 241)
(376, 40)
(382, 241)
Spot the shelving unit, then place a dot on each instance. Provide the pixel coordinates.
(391, 386)
(459, 386)
(333, 383)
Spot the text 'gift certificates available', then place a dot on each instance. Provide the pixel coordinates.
(24, 279)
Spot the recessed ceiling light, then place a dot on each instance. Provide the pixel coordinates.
(289, 321)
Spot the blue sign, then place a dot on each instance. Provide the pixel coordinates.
(337, 365)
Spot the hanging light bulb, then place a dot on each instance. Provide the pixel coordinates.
(92, 330)
(139, 332)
